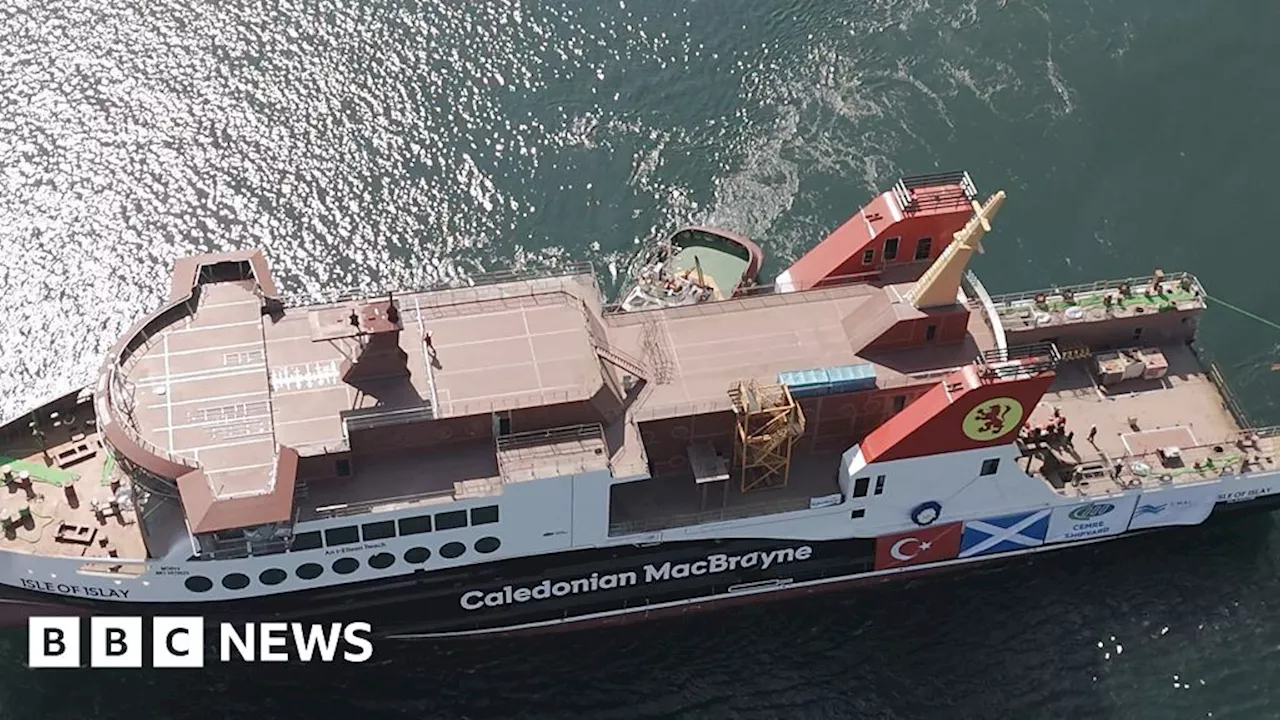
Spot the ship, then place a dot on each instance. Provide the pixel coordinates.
(515, 454)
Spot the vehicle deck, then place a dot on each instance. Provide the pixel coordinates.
(1136, 419)
(677, 500)
(59, 499)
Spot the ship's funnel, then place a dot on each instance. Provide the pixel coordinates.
(940, 284)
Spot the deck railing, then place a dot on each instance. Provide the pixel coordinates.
(1228, 397)
(981, 300)
(567, 450)
(304, 298)
(366, 506)
(1136, 285)
(550, 436)
(770, 290)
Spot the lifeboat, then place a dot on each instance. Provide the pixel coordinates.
(694, 265)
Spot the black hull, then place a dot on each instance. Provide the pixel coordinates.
(613, 586)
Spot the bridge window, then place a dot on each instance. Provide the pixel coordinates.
(989, 467)
(868, 256)
(891, 248)
(923, 247)
(860, 486)
(415, 525)
(306, 541)
(451, 520)
(341, 535)
(484, 515)
(859, 513)
(342, 467)
(879, 484)
(379, 530)
(899, 402)
(930, 332)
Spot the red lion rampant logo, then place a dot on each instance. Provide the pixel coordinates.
(991, 419)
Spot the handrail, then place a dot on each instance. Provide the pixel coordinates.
(480, 279)
(1228, 397)
(1134, 283)
(366, 506)
(990, 314)
(550, 436)
(834, 281)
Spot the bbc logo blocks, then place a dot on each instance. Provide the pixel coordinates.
(114, 642)
(179, 642)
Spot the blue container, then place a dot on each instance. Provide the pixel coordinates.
(805, 383)
(851, 378)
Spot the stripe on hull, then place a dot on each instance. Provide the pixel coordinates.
(437, 599)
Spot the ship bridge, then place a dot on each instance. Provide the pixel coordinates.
(184, 398)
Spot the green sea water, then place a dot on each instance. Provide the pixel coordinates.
(369, 143)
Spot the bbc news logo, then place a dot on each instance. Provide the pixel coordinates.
(179, 642)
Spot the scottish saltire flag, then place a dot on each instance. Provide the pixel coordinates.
(1002, 534)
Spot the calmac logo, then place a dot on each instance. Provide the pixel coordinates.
(1090, 511)
(1151, 509)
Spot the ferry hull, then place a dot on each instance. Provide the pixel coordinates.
(488, 601)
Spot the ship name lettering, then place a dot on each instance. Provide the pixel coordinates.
(476, 599)
(720, 562)
(1239, 495)
(710, 565)
(79, 590)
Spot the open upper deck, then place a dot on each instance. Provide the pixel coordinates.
(1074, 309)
(1178, 427)
(62, 494)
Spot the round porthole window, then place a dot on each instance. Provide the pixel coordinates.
(488, 544)
(235, 581)
(453, 550)
(199, 583)
(272, 576)
(417, 555)
(382, 561)
(346, 565)
(309, 571)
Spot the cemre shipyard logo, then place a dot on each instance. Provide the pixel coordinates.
(179, 642)
(1091, 511)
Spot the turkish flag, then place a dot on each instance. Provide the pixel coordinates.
(923, 545)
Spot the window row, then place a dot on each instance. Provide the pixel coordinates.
(924, 248)
(383, 529)
(342, 566)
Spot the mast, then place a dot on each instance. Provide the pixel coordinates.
(941, 282)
